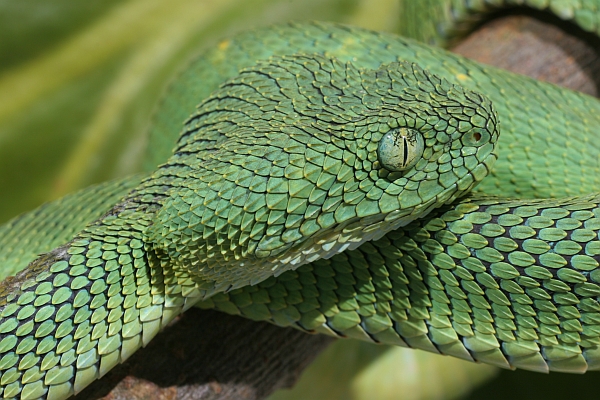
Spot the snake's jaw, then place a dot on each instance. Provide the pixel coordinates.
(283, 165)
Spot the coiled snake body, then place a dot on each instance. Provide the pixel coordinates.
(321, 184)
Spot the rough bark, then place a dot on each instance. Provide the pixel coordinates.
(550, 51)
(209, 355)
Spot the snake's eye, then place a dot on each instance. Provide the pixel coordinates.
(400, 149)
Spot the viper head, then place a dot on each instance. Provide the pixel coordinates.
(301, 157)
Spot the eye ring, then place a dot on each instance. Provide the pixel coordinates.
(400, 149)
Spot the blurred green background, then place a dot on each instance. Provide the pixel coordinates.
(78, 85)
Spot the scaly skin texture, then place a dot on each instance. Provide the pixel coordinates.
(547, 147)
(508, 283)
(278, 169)
(271, 172)
(53, 224)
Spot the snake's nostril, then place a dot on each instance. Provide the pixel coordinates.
(477, 136)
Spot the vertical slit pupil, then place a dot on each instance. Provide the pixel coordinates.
(405, 147)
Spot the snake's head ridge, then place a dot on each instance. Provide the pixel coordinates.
(304, 156)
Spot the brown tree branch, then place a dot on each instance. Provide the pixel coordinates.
(210, 355)
(549, 50)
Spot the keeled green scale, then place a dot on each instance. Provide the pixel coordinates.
(81, 309)
(281, 167)
(278, 168)
(509, 283)
(53, 224)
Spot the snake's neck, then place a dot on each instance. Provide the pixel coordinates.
(77, 311)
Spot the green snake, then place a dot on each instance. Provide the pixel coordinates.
(323, 183)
